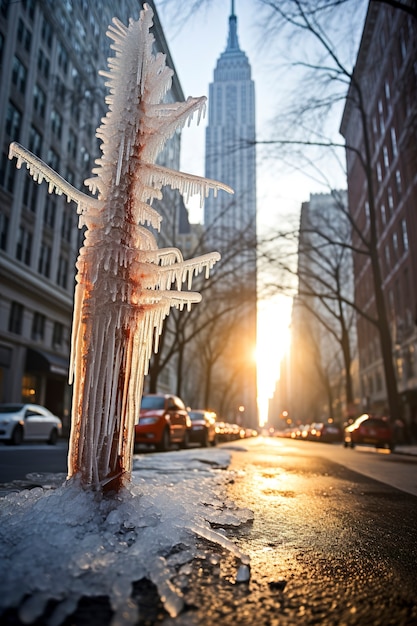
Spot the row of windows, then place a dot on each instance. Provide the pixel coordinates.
(24, 245)
(393, 250)
(15, 325)
(405, 368)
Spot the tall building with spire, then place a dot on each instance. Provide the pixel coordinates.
(230, 143)
(230, 221)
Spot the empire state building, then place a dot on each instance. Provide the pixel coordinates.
(230, 221)
(230, 144)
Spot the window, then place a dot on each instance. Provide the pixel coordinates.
(62, 278)
(386, 157)
(49, 212)
(53, 160)
(383, 215)
(16, 318)
(44, 263)
(7, 173)
(35, 141)
(379, 172)
(24, 246)
(72, 144)
(387, 258)
(394, 142)
(38, 327)
(4, 228)
(39, 101)
(24, 36)
(46, 33)
(66, 227)
(398, 182)
(390, 199)
(13, 120)
(62, 58)
(19, 74)
(405, 235)
(56, 124)
(43, 64)
(58, 335)
(30, 194)
(29, 6)
(381, 116)
(395, 246)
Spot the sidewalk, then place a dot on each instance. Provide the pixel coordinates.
(405, 449)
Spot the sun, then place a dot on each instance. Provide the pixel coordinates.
(273, 340)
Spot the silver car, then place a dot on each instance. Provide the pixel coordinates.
(28, 422)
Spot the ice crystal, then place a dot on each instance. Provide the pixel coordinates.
(123, 290)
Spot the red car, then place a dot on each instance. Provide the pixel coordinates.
(370, 430)
(163, 420)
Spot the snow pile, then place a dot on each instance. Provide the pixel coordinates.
(65, 543)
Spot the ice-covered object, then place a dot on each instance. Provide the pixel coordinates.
(124, 282)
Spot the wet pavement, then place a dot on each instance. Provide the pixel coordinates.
(327, 546)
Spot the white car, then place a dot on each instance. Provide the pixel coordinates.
(29, 422)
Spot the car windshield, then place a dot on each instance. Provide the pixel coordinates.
(10, 408)
(152, 402)
(196, 415)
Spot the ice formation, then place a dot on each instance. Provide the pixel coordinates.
(63, 543)
(124, 281)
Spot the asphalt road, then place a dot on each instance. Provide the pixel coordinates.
(333, 542)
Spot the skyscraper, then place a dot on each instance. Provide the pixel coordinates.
(230, 221)
(230, 137)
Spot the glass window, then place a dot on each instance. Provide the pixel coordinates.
(16, 318)
(58, 335)
(405, 235)
(19, 74)
(13, 121)
(38, 326)
(4, 229)
(24, 246)
(39, 101)
(62, 278)
(35, 141)
(44, 262)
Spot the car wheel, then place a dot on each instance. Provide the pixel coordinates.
(205, 441)
(165, 442)
(53, 437)
(186, 441)
(352, 445)
(345, 444)
(17, 436)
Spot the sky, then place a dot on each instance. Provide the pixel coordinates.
(195, 45)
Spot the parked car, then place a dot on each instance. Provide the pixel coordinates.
(203, 427)
(28, 422)
(327, 433)
(163, 420)
(370, 430)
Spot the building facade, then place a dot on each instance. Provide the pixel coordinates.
(380, 128)
(230, 221)
(52, 102)
(321, 380)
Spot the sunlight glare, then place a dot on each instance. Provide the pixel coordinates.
(273, 342)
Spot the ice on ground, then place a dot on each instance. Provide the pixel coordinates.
(60, 542)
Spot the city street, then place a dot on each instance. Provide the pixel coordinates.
(333, 540)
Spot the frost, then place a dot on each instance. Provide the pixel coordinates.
(125, 285)
(64, 543)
